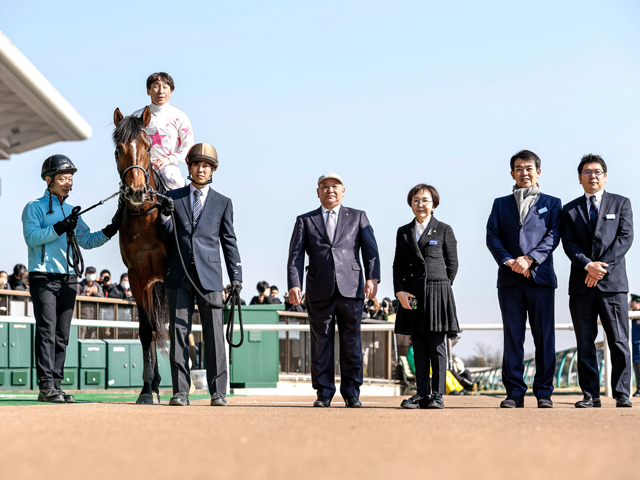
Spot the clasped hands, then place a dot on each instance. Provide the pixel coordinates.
(370, 291)
(520, 265)
(595, 272)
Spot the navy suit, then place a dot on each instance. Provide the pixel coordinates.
(608, 243)
(520, 297)
(200, 248)
(335, 292)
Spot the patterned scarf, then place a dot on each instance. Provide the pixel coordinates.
(525, 199)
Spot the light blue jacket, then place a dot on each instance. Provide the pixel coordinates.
(47, 250)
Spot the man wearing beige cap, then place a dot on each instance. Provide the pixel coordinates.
(204, 223)
(334, 237)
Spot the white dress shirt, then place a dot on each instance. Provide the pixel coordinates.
(205, 192)
(325, 210)
(598, 196)
(588, 196)
(421, 227)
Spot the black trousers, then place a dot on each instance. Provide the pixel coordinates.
(53, 302)
(612, 309)
(537, 302)
(323, 316)
(181, 305)
(430, 351)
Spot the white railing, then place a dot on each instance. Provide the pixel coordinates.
(378, 327)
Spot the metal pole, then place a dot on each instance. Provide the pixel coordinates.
(607, 367)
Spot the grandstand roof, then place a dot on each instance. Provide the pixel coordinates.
(32, 111)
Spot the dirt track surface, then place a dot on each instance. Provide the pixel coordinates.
(284, 437)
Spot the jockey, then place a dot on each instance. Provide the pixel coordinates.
(169, 130)
(45, 224)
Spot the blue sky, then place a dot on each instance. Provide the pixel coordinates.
(389, 94)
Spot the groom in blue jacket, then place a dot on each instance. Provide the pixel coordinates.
(522, 232)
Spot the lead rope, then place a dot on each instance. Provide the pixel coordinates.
(74, 261)
(233, 298)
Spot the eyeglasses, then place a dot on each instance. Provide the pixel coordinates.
(597, 173)
(421, 202)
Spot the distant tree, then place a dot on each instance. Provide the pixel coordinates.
(485, 356)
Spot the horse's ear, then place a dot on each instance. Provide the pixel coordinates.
(117, 117)
(146, 117)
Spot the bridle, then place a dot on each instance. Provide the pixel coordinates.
(148, 190)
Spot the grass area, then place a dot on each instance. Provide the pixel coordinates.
(31, 398)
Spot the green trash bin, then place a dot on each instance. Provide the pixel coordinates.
(19, 341)
(255, 363)
(118, 363)
(15, 356)
(92, 356)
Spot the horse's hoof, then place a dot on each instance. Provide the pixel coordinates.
(146, 399)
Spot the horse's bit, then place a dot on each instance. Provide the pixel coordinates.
(148, 190)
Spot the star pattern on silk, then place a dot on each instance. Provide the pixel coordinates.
(156, 139)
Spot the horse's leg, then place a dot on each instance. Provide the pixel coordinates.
(155, 383)
(145, 332)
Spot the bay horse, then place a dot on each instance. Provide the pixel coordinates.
(143, 251)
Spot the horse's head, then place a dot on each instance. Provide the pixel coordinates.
(132, 154)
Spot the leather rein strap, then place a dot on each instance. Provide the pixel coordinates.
(150, 191)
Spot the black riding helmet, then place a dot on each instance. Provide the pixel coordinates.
(56, 164)
(53, 166)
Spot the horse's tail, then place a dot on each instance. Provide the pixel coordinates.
(157, 310)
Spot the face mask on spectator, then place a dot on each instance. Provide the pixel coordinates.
(3, 281)
(91, 277)
(125, 285)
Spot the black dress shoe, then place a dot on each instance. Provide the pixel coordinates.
(414, 402)
(179, 399)
(68, 398)
(545, 403)
(352, 402)
(589, 402)
(623, 401)
(322, 402)
(637, 394)
(512, 402)
(218, 400)
(50, 395)
(435, 402)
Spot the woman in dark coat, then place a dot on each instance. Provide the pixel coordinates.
(424, 267)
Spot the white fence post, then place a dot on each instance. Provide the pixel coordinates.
(607, 367)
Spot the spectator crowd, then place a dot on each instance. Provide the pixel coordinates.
(104, 286)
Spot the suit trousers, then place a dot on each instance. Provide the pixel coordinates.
(181, 305)
(612, 309)
(430, 352)
(53, 302)
(527, 298)
(323, 316)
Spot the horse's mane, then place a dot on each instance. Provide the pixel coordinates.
(128, 129)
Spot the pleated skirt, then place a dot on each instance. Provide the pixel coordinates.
(436, 311)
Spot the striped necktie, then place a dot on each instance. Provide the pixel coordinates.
(197, 207)
(331, 224)
(593, 211)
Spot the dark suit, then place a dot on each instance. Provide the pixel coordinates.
(426, 269)
(200, 250)
(519, 297)
(335, 292)
(608, 243)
